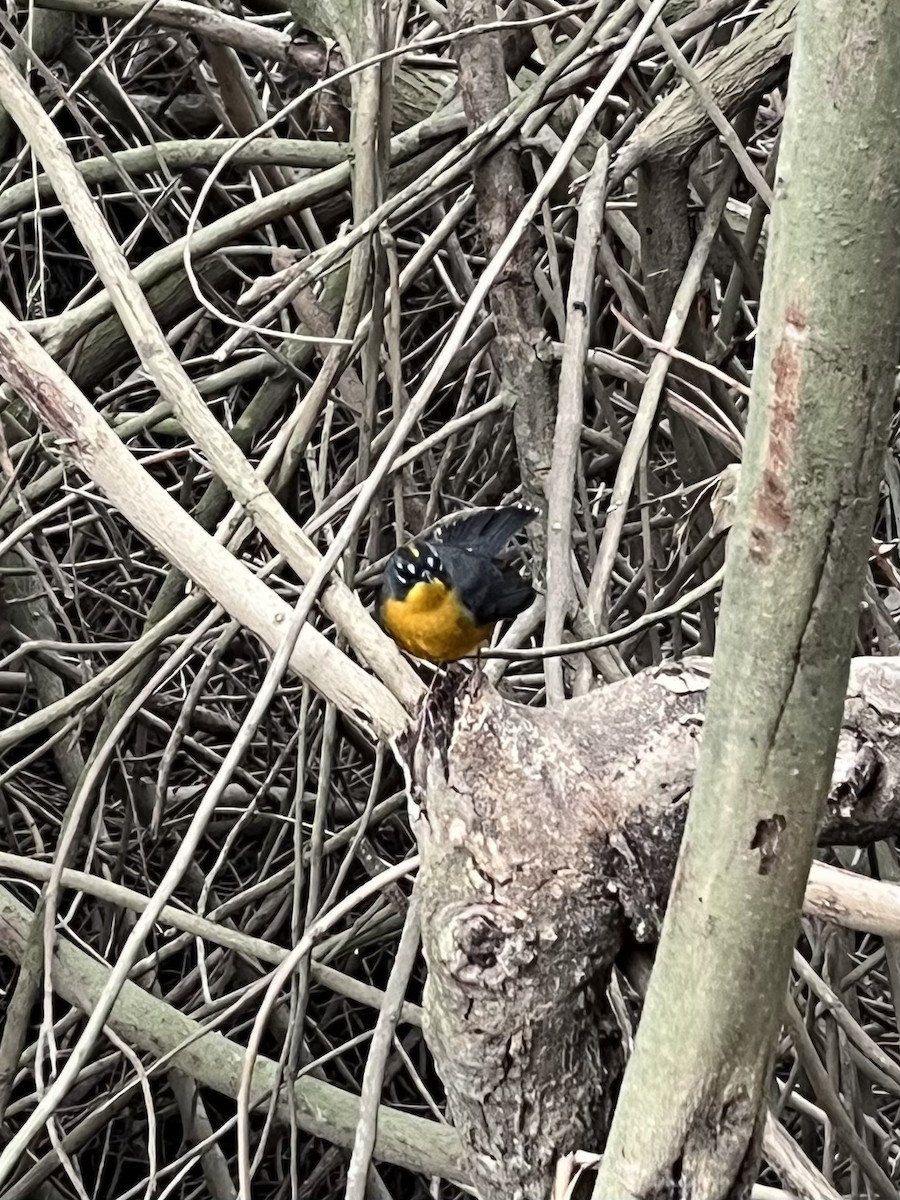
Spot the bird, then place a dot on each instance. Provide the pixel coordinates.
(443, 592)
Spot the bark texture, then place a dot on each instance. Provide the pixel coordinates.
(416, 94)
(741, 72)
(689, 1118)
(549, 839)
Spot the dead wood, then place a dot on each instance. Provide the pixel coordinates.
(737, 75)
(548, 841)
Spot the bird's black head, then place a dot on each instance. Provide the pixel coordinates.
(416, 562)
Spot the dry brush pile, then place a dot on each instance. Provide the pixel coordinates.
(277, 287)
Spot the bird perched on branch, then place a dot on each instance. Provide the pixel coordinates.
(444, 591)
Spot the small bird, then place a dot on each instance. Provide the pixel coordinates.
(444, 591)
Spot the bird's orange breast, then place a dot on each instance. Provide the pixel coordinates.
(431, 622)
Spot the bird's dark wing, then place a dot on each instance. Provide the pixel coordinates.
(489, 591)
(511, 599)
(485, 530)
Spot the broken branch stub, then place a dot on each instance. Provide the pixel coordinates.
(543, 853)
(548, 841)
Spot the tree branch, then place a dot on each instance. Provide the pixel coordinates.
(535, 881)
(152, 1026)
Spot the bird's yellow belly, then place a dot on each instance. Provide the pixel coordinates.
(431, 623)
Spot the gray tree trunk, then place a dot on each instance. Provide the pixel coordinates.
(689, 1116)
(536, 880)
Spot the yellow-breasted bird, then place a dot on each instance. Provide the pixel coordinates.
(444, 591)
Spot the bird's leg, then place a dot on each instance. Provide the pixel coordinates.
(478, 671)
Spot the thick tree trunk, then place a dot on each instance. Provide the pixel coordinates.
(549, 838)
(690, 1114)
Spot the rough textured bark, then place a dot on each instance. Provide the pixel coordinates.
(549, 838)
(690, 1114)
(628, 807)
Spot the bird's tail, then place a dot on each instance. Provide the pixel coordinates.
(486, 530)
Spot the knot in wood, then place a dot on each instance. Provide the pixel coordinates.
(487, 946)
